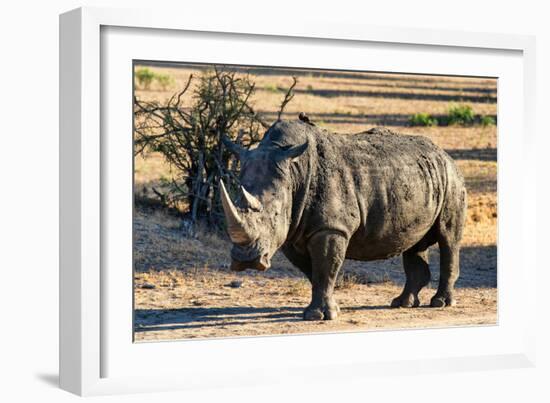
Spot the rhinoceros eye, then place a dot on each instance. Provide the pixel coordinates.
(279, 168)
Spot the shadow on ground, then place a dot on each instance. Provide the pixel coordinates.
(198, 317)
(479, 154)
(329, 93)
(147, 320)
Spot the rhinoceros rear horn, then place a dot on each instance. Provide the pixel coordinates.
(235, 227)
(251, 200)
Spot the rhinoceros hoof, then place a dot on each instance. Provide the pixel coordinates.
(332, 313)
(314, 314)
(441, 302)
(321, 314)
(405, 301)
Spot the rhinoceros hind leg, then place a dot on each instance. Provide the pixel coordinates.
(417, 271)
(449, 271)
(450, 228)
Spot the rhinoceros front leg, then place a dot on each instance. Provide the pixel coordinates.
(327, 251)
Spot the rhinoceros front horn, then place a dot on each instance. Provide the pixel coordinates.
(235, 226)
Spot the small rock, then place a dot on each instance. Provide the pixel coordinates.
(147, 286)
(235, 284)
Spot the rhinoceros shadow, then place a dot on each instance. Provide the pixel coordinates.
(200, 317)
(147, 320)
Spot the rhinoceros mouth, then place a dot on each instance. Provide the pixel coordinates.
(261, 264)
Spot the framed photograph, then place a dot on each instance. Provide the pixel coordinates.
(247, 203)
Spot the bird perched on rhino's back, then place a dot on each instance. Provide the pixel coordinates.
(304, 118)
(322, 198)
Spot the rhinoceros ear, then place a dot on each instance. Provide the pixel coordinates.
(293, 152)
(236, 149)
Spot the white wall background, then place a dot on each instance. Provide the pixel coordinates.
(29, 196)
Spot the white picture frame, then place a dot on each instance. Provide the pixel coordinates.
(96, 355)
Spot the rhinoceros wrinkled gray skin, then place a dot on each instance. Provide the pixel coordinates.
(322, 198)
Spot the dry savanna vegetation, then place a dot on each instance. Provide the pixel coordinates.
(183, 287)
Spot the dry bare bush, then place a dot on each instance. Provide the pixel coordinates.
(190, 139)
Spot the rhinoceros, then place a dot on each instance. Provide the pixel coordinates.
(322, 198)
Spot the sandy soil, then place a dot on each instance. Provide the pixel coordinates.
(183, 288)
(222, 304)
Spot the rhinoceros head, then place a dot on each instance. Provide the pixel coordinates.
(259, 219)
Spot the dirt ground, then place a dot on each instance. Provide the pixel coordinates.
(184, 289)
(222, 304)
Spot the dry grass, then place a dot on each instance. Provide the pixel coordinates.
(184, 288)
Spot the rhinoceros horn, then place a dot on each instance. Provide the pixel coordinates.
(235, 227)
(252, 201)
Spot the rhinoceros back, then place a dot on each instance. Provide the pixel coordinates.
(382, 190)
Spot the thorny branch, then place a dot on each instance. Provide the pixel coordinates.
(288, 97)
(187, 128)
